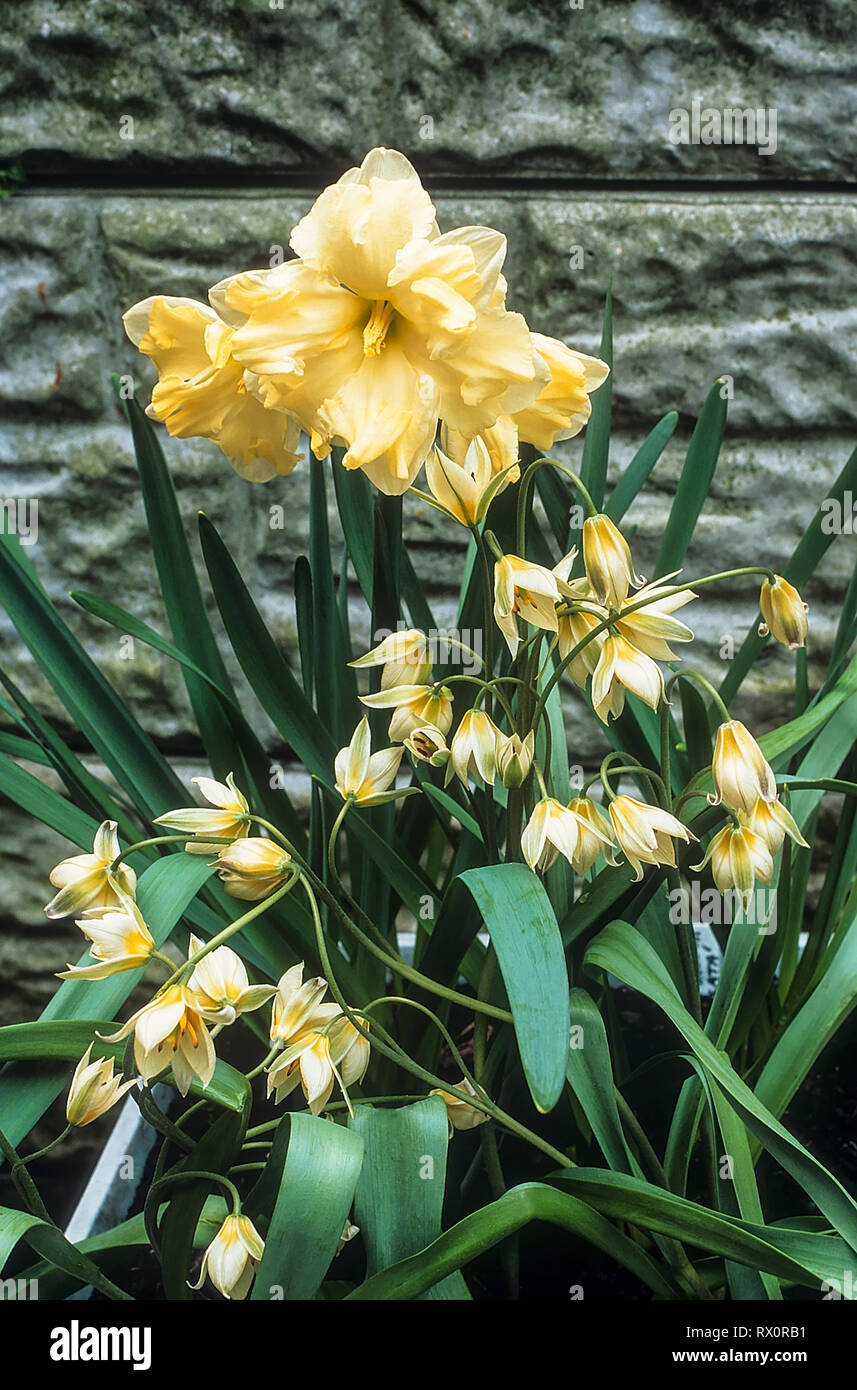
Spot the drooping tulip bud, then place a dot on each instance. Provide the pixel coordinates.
(783, 613)
(741, 774)
(515, 758)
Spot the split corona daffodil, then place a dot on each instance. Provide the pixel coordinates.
(202, 390)
(382, 325)
(562, 407)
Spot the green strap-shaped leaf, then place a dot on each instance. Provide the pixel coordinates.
(50, 1242)
(181, 593)
(57, 1039)
(523, 928)
(399, 1199)
(590, 1076)
(96, 708)
(694, 483)
(640, 467)
(485, 1228)
(596, 441)
(313, 1200)
(620, 949)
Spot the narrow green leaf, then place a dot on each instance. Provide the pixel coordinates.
(640, 467)
(694, 483)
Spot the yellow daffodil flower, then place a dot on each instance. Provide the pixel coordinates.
(741, 774)
(220, 985)
(623, 667)
(202, 390)
(170, 1030)
(644, 832)
(119, 940)
(231, 1259)
(382, 325)
(87, 880)
(607, 558)
(252, 868)
(783, 613)
(367, 777)
(562, 407)
(231, 819)
(94, 1089)
(458, 1112)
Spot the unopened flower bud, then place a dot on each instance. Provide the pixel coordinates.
(515, 758)
(784, 613)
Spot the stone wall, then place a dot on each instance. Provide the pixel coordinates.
(160, 146)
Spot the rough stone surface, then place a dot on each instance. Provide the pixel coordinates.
(577, 88)
(547, 120)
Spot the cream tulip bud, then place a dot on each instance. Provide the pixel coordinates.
(515, 759)
(607, 558)
(94, 1089)
(738, 857)
(459, 1113)
(253, 868)
(783, 613)
(741, 774)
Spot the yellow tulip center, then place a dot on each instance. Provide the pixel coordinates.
(375, 332)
